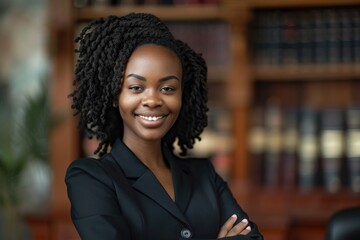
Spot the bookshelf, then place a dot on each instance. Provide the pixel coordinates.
(272, 79)
(240, 85)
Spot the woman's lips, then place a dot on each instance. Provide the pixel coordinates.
(151, 121)
(151, 118)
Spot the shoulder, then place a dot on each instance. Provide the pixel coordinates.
(84, 168)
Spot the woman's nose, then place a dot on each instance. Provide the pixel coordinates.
(152, 99)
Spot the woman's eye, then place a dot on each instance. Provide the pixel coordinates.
(167, 89)
(135, 88)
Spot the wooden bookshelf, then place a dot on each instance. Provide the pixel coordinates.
(283, 212)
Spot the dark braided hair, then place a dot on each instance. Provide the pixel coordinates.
(105, 46)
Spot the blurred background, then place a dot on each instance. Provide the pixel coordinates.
(284, 98)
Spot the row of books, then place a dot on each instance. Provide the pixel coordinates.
(325, 35)
(305, 147)
(86, 3)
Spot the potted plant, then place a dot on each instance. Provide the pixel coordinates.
(23, 158)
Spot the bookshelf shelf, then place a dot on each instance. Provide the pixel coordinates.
(166, 13)
(264, 4)
(306, 72)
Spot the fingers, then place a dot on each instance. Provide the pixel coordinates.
(246, 230)
(228, 225)
(240, 228)
(228, 229)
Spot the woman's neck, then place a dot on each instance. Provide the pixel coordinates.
(149, 152)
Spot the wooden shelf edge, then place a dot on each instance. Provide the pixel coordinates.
(166, 13)
(306, 72)
(263, 4)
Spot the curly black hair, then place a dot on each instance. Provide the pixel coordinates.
(105, 46)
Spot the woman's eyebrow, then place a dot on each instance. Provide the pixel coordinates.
(168, 78)
(136, 76)
(144, 79)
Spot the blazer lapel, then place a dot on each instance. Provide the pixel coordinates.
(182, 180)
(147, 183)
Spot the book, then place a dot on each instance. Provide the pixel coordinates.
(308, 148)
(288, 166)
(319, 37)
(352, 152)
(273, 144)
(332, 147)
(256, 145)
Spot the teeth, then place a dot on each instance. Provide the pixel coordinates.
(150, 118)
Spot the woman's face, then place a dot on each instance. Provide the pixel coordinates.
(150, 97)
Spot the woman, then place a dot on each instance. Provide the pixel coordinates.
(137, 90)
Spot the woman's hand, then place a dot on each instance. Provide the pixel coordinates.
(228, 229)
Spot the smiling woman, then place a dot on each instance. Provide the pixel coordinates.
(137, 89)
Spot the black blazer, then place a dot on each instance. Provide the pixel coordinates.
(118, 197)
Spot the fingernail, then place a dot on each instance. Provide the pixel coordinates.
(248, 228)
(245, 220)
(234, 216)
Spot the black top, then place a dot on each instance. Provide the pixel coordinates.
(118, 197)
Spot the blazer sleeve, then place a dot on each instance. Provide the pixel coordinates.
(94, 208)
(229, 206)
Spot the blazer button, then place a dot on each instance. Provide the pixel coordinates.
(186, 233)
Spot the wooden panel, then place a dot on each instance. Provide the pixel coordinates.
(64, 230)
(168, 13)
(64, 143)
(306, 72)
(240, 166)
(39, 227)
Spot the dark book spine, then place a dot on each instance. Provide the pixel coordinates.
(306, 36)
(166, 2)
(356, 34)
(99, 3)
(332, 147)
(258, 41)
(289, 146)
(333, 35)
(273, 136)
(290, 34)
(308, 149)
(273, 37)
(346, 36)
(256, 146)
(319, 38)
(353, 147)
